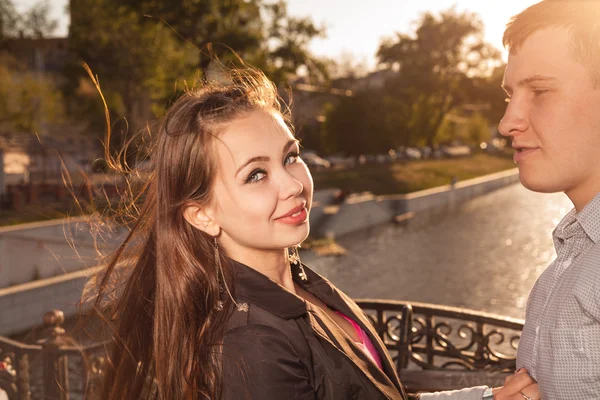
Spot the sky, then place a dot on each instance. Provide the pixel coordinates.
(356, 27)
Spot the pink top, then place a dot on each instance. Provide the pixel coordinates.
(366, 345)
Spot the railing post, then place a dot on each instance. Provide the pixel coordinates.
(54, 367)
(405, 342)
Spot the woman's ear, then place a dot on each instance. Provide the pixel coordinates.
(201, 219)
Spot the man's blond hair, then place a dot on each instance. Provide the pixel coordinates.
(581, 18)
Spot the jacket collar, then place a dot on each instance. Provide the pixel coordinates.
(254, 287)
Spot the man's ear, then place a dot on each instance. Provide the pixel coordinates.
(201, 219)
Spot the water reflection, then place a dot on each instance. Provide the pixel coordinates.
(485, 255)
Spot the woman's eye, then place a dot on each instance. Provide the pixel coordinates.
(291, 158)
(256, 176)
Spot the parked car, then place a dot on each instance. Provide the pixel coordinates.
(314, 161)
(456, 151)
(412, 153)
(340, 161)
(426, 152)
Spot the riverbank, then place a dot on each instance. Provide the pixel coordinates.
(404, 177)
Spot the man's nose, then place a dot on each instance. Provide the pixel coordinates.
(514, 121)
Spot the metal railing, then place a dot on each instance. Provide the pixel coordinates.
(441, 348)
(54, 368)
(434, 348)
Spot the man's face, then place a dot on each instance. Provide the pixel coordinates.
(553, 118)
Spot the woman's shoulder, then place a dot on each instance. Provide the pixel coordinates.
(254, 333)
(258, 342)
(256, 328)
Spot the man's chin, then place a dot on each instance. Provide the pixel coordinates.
(540, 184)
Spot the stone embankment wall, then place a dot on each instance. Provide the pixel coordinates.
(364, 211)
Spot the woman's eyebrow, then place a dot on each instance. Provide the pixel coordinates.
(250, 161)
(265, 158)
(289, 144)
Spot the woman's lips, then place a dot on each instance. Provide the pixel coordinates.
(295, 218)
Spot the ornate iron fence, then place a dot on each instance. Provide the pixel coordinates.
(441, 348)
(434, 347)
(55, 368)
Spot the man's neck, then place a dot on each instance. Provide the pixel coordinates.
(582, 195)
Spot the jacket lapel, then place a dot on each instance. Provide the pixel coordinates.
(336, 300)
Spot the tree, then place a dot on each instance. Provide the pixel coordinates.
(34, 23)
(137, 61)
(261, 33)
(234, 23)
(285, 49)
(9, 20)
(346, 65)
(28, 100)
(436, 67)
(356, 125)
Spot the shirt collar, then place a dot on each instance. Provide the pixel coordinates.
(252, 286)
(567, 228)
(589, 218)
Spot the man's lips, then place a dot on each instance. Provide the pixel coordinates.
(523, 152)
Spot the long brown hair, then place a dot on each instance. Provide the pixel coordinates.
(160, 289)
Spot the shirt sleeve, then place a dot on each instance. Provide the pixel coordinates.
(260, 363)
(474, 393)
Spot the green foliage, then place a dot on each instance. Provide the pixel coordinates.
(260, 32)
(441, 69)
(145, 51)
(478, 130)
(469, 130)
(356, 125)
(9, 20)
(285, 49)
(138, 61)
(436, 68)
(34, 23)
(28, 100)
(234, 24)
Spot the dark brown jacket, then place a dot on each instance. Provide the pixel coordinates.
(281, 347)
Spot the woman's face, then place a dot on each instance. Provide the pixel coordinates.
(263, 192)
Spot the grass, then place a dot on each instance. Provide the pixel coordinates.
(406, 177)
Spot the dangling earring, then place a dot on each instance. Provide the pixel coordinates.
(218, 267)
(294, 259)
(223, 283)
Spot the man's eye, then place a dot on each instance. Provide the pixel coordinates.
(291, 158)
(256, 176)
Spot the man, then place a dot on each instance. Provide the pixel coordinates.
(553, 118)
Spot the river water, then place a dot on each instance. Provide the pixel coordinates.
(485, 254)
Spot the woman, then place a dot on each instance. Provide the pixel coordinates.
(211, 303)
